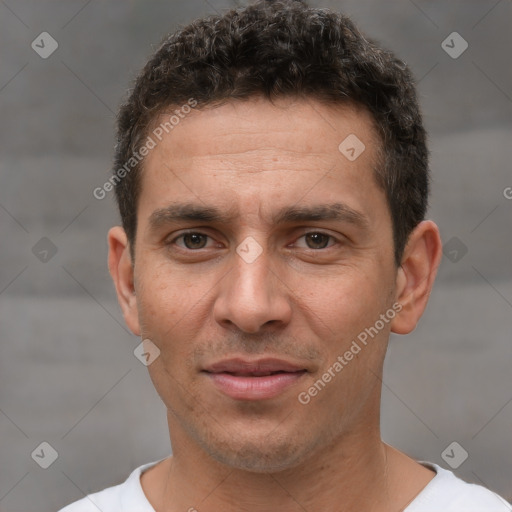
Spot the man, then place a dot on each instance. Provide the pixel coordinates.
(272, 178)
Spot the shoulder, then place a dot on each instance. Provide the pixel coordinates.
(125, 497)
(449, 493)
(107, 500)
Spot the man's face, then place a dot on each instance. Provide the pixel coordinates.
(267, 272)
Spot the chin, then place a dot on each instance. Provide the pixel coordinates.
(266, 455)
(256, 460)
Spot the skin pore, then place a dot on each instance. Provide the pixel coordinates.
(274, 173)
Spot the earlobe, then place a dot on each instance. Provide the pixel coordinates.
(416, 275)
(122, 272)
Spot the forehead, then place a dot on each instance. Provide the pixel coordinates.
(315, 126)
(255, 151)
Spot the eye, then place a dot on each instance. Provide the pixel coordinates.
(317, 240)
(191, 240)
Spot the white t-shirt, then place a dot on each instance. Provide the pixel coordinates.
(444, 493)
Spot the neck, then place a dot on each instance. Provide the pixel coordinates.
(357, 472)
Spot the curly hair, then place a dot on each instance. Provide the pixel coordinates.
(275, 49)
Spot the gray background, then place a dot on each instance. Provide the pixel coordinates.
(68, 375)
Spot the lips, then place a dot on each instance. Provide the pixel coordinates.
(253, 374)
(258, 367)
(254, 380)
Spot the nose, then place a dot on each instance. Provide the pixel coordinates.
(252, 296)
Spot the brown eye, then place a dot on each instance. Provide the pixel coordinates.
(194, 240)
(317, 240)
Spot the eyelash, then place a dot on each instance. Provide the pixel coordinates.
(330, 237)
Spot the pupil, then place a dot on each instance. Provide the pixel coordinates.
(317, 239)
(195, 240)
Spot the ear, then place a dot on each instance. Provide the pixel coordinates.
(416, 275)
(121, 269)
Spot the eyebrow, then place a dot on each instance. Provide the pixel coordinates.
(183, 212)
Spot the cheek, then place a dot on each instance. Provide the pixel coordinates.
(163, 305)
(343, 301)
(164, 296)
(163, 316)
